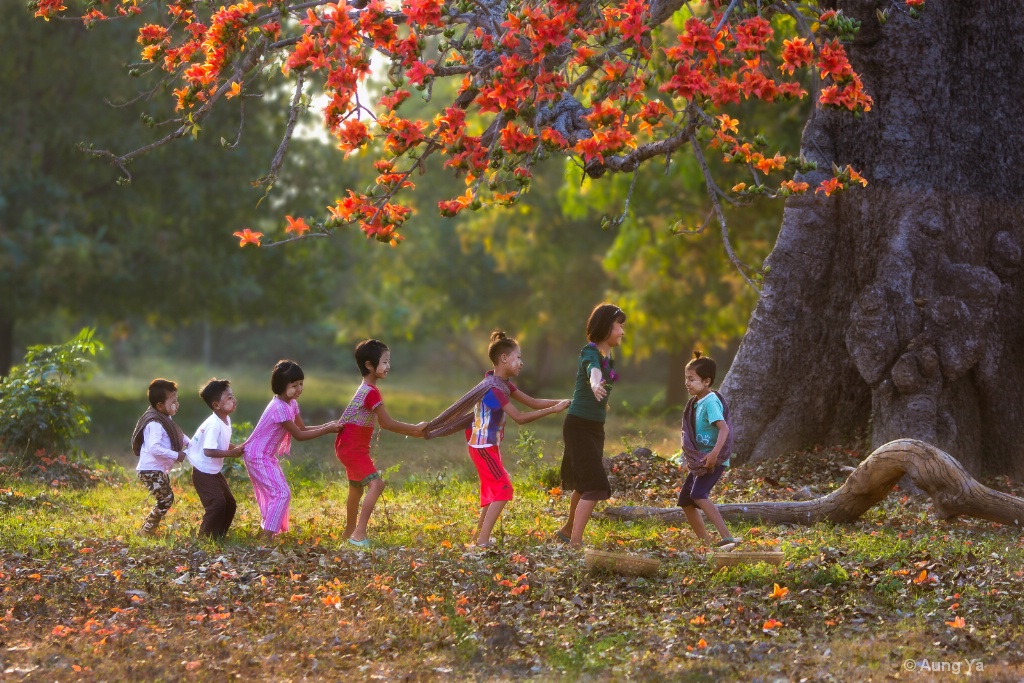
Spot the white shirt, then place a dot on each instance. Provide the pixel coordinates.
(214, 434)
(156, 454)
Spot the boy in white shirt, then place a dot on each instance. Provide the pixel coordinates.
(210, 445)
(159, 445)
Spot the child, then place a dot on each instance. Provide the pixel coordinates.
(271, 438)
(583, 431)
(707, 445)
(352, 445)
(487, 426)
(159, 445)
(210, 445)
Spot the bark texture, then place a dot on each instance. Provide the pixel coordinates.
(899, 308)
(952, 490)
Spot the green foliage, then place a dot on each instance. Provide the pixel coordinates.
(38, 407)
(530, 452)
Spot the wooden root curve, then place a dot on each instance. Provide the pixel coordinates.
(952, 490)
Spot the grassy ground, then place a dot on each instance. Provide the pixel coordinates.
(84, 598)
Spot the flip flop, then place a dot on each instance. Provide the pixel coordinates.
(727, 541)
(365, 543)
(562, 537)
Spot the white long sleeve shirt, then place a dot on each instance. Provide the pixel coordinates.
(156, 454)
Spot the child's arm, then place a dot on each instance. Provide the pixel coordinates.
(392, 425)
(232, 452)
(300, 432)
(597, 384)
(723, 434)
(535, 403)
(524, 418)
(156, 434)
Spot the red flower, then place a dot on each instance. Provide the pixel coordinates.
(247, 236)
(419, 72)
(796, 53)
(296, 225)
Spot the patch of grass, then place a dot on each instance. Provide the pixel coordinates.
(84, 597)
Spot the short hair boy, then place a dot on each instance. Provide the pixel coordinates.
(159, 445)
(210, 445)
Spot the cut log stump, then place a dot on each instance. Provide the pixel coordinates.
(952, 490)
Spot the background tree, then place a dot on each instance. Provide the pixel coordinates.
(156, 253)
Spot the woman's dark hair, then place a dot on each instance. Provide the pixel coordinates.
(285, 372)
(369, 350)
(501, 344)
(159, 390)
(602, 318)
(213, 390)
(703, 366)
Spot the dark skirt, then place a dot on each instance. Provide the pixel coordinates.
(583, 462)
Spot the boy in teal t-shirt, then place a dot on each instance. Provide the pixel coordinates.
(709, 411)
(707, 445)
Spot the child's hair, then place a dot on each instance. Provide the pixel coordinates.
(602, 318)
(501, 344)
(704, 366)
(213, 390)
(159, 389)
(285, 372)
(369, 350)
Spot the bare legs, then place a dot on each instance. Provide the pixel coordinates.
(579, 514)
(489, 515)
(697, 524)
(358, 516)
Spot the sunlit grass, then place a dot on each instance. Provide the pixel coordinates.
(418, 603)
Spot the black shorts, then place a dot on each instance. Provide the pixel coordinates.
(583, 462)
(698, 488)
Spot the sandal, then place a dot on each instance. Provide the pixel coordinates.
(727, 541)
(562, 537)
(365, 543)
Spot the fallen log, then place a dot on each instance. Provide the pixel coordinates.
(952, 490)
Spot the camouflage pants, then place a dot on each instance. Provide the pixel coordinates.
(159, 484)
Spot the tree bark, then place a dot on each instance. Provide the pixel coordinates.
(952, 490)
(899, 308)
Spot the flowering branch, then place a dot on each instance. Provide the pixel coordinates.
(611, 84)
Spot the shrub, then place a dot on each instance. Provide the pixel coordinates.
(38, 408)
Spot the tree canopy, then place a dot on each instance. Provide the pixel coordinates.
(609, 84)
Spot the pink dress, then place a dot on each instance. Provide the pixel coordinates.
(268, 441)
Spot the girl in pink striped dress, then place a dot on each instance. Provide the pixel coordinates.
(272, 438)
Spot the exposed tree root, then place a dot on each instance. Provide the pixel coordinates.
(952, 490)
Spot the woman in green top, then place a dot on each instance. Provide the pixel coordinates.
(583, 432)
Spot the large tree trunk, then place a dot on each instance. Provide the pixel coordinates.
(952, 490)
(899, 308)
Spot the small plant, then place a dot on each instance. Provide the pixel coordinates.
(38, 408)
(530, 461)
(528, 448)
